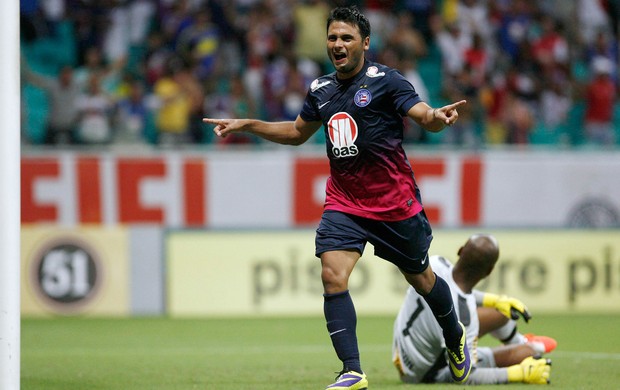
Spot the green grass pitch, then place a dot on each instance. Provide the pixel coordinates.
(268, 353)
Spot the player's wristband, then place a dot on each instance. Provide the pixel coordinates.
(489, 300)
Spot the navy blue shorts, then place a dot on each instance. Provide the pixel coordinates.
(403, 243)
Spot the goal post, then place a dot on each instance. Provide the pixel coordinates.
(9, 196)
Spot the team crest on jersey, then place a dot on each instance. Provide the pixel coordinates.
(362, 98)
(342, 132)
(373, 71)
(316, 85)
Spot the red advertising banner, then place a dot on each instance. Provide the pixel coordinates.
(284, 190)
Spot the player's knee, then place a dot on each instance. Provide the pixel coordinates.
(333, 280)
(423, 283)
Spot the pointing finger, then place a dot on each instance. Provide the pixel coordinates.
(455, 105)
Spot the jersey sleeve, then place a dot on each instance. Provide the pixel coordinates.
(403, 92)
(309, 113)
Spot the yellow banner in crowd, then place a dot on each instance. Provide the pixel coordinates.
(276, 272)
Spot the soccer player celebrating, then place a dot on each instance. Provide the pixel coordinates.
(418, 350)
(371, 195)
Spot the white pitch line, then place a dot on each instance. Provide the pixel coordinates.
(586, 355)
(287, 349)
(375, 348)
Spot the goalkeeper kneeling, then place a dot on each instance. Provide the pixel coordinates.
(418, 348)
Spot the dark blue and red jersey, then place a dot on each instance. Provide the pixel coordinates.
(363, 120)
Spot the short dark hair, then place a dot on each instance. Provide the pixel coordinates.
(351, 15)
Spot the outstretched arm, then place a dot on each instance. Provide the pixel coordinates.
(287, 133)
(435, 119)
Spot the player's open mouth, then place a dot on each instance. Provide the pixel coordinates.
(340, 57)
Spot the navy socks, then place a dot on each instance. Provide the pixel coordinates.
(341, 324)
(440, 301)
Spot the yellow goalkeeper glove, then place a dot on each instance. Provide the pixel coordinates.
(508, 306)
(531, 370)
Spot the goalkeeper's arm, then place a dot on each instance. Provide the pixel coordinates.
(510, 307)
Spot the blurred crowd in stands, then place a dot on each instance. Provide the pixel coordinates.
(107, 72)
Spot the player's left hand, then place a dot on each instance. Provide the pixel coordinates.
(510, 307)
(448, 114)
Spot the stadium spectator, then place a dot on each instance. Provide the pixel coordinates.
(405, 38)
(293, 94)
(94, 64)
(515, 24)
(32, 22)
(473, 19)
(156, 57)
(198, 43)
(555, 104)
(550, 49)
(452, 45)
(230, 100)
(95, 112)
(131, 119)
(115, 43)
(493, 97)
(62, 94)
(173, 108)
(275, 75)
(477, 60)
(422, 11)
(518, 119)
(55, 13)
(463, 86)
(384, 21)
(192, 88)
(89, 21)
(600, 99)
(364, 131)
(591, 18)
(418, 349)
(604, 46)
(141, 18)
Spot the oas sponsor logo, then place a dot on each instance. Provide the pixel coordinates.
(362, 98)
(66, 274)
(342, 131)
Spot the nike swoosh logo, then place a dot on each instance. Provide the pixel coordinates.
(323, 104)
(337, 331)
(424, 260)
(456, 371)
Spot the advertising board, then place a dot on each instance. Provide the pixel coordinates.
(270, 273)
(74, 271)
